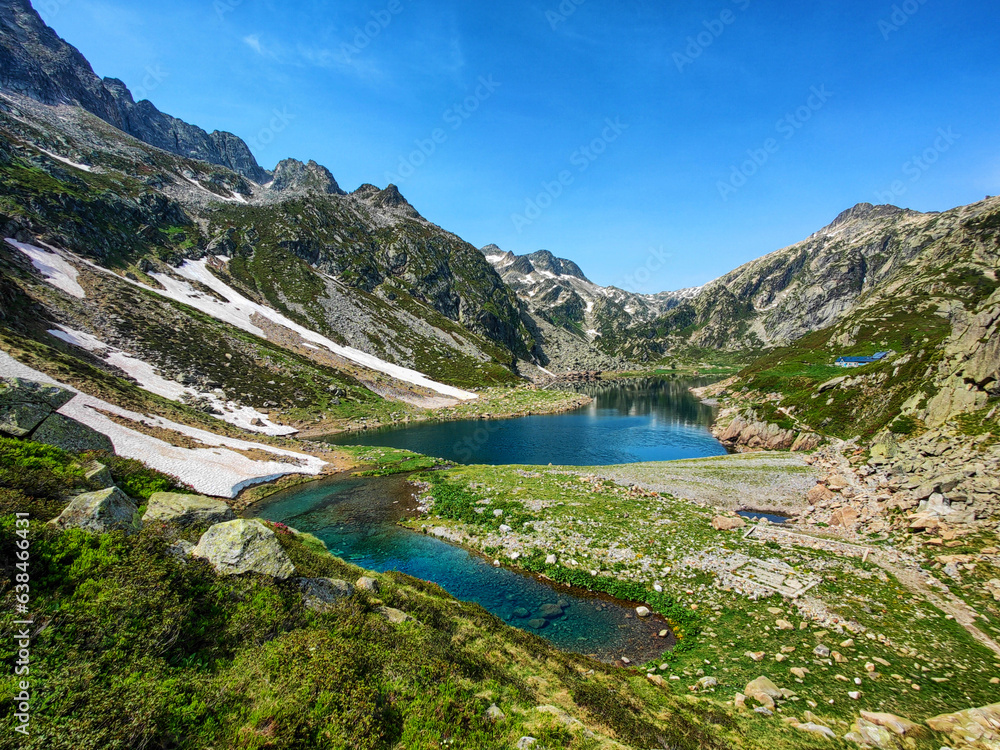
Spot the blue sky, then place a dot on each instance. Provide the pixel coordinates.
(659, 147)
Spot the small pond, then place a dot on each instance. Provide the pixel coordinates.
(357, 519)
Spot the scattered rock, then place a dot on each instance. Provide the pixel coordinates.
(100, 512)
(728, 523)
(186, 510)
(837, 482)
(819, 495)
(525, 742)
(70, 435)
(815, 729)
(643, 611)
(317, 593)
(763, 691)
(550, 611)
(656, 680)
(395, 616)
(97, 474)
(844, 517)
(244, 546)
(25, 404)
(705, 683)
(494, 714)
(894, 723)
(368, 584)
(180, 549)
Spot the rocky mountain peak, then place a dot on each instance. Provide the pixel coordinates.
(292, 175)
(390, 198)
(866, 212)
(545, 261)
(36, 63)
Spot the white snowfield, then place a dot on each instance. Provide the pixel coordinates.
(217, 469)
(150, 380)
(239, 311)
(67, 162)
(59, 272)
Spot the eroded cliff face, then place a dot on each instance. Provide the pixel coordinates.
(969, 373)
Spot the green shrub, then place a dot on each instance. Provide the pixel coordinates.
(135, 478)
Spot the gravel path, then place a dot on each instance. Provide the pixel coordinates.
(747, 481)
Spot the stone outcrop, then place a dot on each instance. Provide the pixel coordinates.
(186, 510)
(318, 593)
(728, 523)
(100, 512)
(70, 435)
(25, 404)
(30, 410)
(977, 728)
(243, 546)
(747, 431)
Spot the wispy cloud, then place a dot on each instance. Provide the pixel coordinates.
(253, 42)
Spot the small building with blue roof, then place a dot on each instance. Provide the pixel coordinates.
(861, 361)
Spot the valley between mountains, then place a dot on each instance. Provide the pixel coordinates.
(183, 332)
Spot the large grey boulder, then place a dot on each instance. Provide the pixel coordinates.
(317, 593)
(186, 510)
(25, 404)
(100, 512)
(70, 435)
(244, 546)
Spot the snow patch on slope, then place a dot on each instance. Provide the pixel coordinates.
(239, 311)
(67, 162)
(57, 271)
(152, 381)
(217, 469)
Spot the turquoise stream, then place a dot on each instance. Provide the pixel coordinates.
(629, 421)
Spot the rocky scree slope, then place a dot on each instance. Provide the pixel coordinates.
(938, 316)
(808, 286)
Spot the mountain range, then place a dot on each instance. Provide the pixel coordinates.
(140, 203)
